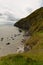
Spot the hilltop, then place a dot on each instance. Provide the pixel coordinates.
(33, 22)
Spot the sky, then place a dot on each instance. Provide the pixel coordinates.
(17, 9)
(20, 8)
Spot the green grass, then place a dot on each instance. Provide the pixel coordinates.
(36, 42)
(19, 60)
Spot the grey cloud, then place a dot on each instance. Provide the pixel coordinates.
(10, 16)
(29, 10)
(42, 3)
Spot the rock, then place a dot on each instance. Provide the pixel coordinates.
(27, 48)
(2, 39)
(7, 43)
(20, 30)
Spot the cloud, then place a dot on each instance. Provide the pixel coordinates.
(18, 7)
(10, 17)
(41, 3)
(29, 10)
(7, 18)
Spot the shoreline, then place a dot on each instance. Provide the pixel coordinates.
(11, 40)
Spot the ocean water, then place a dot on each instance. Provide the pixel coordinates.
(10, 40)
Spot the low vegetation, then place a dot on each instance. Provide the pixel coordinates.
(19, 60)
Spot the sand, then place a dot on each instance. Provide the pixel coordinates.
(10, 40)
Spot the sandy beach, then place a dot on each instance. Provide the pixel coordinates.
(10, 40)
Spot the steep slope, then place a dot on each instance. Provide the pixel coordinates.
(34, 25)
(33, 22)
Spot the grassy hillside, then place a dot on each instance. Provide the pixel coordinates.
(34, 25)
(36, 44)
(33, 22)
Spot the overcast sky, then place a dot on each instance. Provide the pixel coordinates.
(20, 8)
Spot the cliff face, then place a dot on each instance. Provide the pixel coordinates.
(34, 25)
(33, 22)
